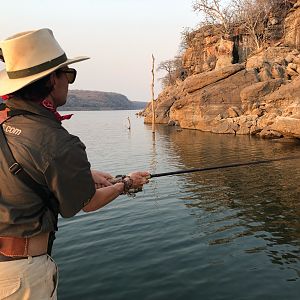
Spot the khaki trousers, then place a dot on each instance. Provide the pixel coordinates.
(33, 278)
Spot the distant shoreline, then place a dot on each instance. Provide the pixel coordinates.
(97, 101)
(63, 108)
(83, 100)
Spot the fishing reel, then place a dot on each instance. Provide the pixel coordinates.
(129, 190)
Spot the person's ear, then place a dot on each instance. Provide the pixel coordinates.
(53, 79)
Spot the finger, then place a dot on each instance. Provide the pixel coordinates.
(140, 173)
(106, 182)
(144, 173)
(108, 176)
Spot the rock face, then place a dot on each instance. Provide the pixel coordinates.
(208, 52)
(292, 27)
(260, 96)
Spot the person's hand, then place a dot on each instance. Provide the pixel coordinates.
(139, 178)
(101, 179)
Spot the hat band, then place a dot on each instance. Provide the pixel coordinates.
(37, 69)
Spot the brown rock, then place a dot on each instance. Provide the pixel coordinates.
(258, 112)
(223, 61)
(162, 106)
(254, 130)
(224, 54)
(287, 126)
(225, 127)
(202, 108)
(243, 129)
(271, 56)
(285, 95)
(296, 60)
(270, 134)
(292, 66)
(292, 28)
(291, 72)
(197, 82)
(264, 122)
(277, 71)
(289, 58)
(254, 93)
(265, 74)
(232, 112)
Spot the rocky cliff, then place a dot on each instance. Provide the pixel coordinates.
(226, 90)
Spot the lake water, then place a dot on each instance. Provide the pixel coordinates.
(224, 234)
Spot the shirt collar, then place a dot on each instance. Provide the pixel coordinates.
(49, 105)
(35, 107)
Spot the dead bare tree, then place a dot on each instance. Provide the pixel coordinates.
(173, 67)
(216, 12)
(187, 36)
(252, 15)
(168, 66)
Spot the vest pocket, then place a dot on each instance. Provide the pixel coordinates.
(9, 286)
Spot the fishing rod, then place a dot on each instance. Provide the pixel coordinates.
(235, 165)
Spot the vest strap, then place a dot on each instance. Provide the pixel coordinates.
(16, 169)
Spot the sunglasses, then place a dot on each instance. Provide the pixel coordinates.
(70, 73)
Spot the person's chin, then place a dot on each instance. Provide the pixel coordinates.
(61, 103)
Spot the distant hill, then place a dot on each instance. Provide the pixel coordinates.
(96, 100)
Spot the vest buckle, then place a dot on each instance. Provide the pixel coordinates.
(15, 168)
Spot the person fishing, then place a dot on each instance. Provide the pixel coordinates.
(44, 170)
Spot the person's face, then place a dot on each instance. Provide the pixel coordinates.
(61, 79)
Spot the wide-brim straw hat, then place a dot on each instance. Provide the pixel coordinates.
(30, 56)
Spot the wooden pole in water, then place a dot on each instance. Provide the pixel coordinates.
(129, 124)
(152, 98)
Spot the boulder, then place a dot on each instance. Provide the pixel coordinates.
(224, 54)
(286, 94)
(225, 127)
(287, 126)
(223, 61)
(291, 70)
(254, 93)
(219, 100)
(270, 134)
(162, 106)
(197, 82)
(271, 56)
(233, 112)
(278, 71)
(265, 74)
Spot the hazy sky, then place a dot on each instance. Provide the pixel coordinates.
(118, 35)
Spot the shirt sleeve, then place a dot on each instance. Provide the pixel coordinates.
(69, 178)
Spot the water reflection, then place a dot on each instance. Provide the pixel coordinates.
(258, 204)
(153, 166)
